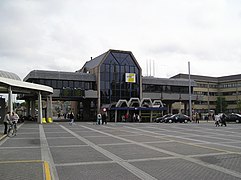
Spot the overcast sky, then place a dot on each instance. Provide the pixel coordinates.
(63, 34)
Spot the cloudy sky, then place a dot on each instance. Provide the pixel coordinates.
(63, 34)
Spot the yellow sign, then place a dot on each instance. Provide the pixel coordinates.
(131, 77)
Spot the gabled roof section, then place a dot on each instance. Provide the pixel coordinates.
(93, 62)
(99, 59)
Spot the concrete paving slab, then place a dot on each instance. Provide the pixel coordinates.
(76, 154)
(27, 130)
(184, 149)
(66, 142)
(22, 170)
(57, 134)
(18, 154)
(178, 169)
(104, 140)
(133, 151)
(144, 138)
(88, 133)
(16, 142)
(94, 172)
(31, 135)
(228, 161)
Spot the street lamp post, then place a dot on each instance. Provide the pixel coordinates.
(190, 93)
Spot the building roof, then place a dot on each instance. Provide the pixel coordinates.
(60, 75)
(93, 62)
(166, 81)
(9, 75)
(230, 78)
(236, 77)
(97, 60)
(195, 77)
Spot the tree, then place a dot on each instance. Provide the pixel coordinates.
(221, 104)
(239, 105)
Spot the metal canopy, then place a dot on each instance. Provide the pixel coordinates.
(22, 87)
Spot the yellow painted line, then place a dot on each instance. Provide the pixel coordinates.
(47, 171)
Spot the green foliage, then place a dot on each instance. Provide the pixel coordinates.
(239, 105)
(221, 104)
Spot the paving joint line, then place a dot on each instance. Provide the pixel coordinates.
(46, 154)
(134, 170)
(196, 161)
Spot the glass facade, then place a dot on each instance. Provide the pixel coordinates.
(62, 84)
(113, 85)
(165, 88)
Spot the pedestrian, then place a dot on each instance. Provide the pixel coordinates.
(217, 120)
(126, 117)
(14, 118)
(6, 120)
(197, 118)
(223, 119)
(138, 118)
(104, 118)
(134, 117)
(71, 117)
(99, 119)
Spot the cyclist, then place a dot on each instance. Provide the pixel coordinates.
(14, 119)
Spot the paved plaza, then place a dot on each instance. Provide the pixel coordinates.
(122, 151)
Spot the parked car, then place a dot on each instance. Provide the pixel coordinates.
(234, 117)
(161, 119)
(177, 118)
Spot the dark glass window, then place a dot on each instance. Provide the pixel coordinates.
(54, 84)
(71, 84)
(112, 78)
(59, 84)
(65, 84)
(48, 82)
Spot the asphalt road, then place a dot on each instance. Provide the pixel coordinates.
(122, 151)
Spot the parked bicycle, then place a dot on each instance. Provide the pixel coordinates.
(12, 130)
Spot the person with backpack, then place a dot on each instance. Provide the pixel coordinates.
(99, 119)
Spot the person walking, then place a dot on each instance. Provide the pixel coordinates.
(104, 118)
(217, 120)
(71, 117)
(6, 120)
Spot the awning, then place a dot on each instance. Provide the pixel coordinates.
(139, 108)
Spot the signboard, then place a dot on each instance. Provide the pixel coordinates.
(131, 77)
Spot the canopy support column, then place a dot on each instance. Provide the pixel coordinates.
(32, 107)
(40, 114)
(151, 116)
(115, 116)
(10, 103)
(49, 107)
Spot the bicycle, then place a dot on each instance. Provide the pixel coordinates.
(12, 130)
